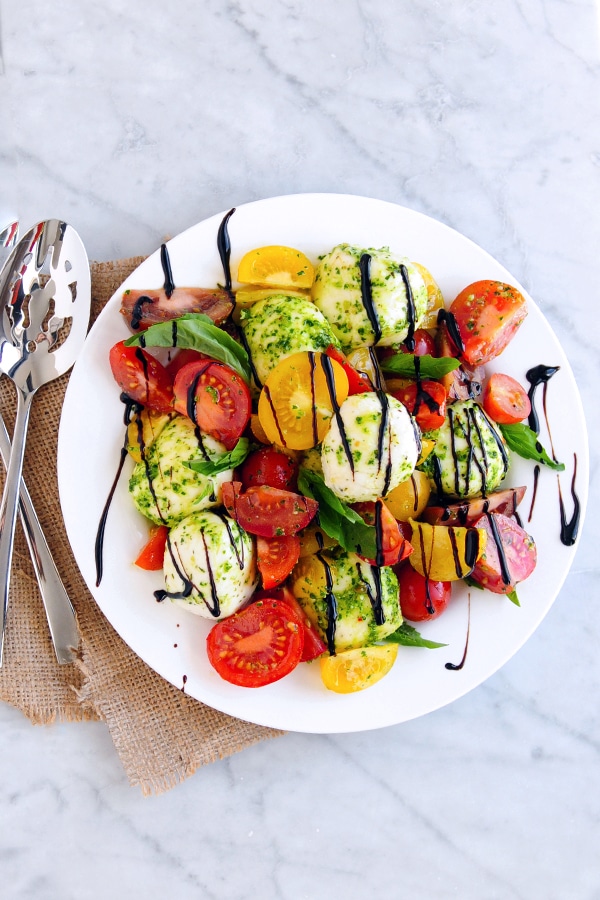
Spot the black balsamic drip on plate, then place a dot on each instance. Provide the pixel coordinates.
(366, 293)
(165, 262)
(224, 248)
(538, 375)
(569, 528)
(455, 667)
(536, 478)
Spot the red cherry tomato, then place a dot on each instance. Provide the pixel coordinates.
(427, 405)
(358, 383)
(266, 511)
(505, 401)
(487, 314)
(258, 645)
(182, 358)
(141, 377)
(394, 546)
(276, 557)
(314, 645)
(216, 398)
(269, 466)
(424, 343)
(153, 553)
(509, 556)
(421, 598)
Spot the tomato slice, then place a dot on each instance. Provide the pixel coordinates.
(314, 645)
(505, 400)
(269, 466)
(424, 343)
(216, 398)
(141, 377)
(357, 669)
(276, 557)
(258, 645)
(182, 358)
(421, 598)
(487, 314)
(358, 382)
(393, 545)
(463, 383)
(466, 512)
(426, 402)
(152, 554)
(509, 556)
(266, 511)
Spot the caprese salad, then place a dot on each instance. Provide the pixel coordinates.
(320, 455)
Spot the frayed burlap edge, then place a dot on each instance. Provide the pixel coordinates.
(162, 736)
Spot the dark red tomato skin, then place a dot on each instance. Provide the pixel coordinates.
(266, 511)
(276, 557)
(141, 377)
(424, 343)
(421, 598)
(505, 400)
(358, 383)
(314, 645)
(241, 651)
(222, 404)
(394, 546)
(427, 418)
(487, 313)
(519, 552)
(269, 466)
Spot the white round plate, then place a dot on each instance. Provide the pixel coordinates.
(171, 640)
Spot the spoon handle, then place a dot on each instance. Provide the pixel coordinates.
(59, 610)
(9, 504)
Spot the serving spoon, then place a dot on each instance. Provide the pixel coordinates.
(45, 299)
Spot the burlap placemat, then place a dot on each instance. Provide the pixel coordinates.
(160, 734)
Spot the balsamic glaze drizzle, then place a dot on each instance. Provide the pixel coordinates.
(569, 528)
(366, 293)
(384, 428)
(455, 667)
(330, 379)
(224, 248)
(165, 262)
(536, 376)
(536, 478)
(410, 308)
(447, 318)
(137, 312)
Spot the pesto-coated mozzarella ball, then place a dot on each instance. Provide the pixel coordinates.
(163, 488)
(376, 448)
(217, 558)
(356, 593)
(337, 293)
(280, 326)
(470, 456)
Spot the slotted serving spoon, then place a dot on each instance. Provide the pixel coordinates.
(45, 298)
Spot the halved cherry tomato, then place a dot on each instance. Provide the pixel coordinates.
(487, 314)
(466, 512)
(358, 383)
(393, 546)
(258, 645)
(216, 398)
(509, 556)
(276, 557)
(183, 357)
(269, 466)
(424, 343)
(141, 377)
(505, 401)
(427, 403)
(266, 511)
(314, 645)
(152, 554)
(357, 669)
(420, 597)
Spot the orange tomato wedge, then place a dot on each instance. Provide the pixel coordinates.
(357, 669)
(297, 400)
(276, 266)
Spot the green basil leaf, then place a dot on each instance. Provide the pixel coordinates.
(429, 366)
(195, 331)
(224, 461)
(473, 584)
(513, 598)
(336, 518)
(410, 637)
(526, 443)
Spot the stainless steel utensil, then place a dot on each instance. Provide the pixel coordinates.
(44, 312)
(8, 239)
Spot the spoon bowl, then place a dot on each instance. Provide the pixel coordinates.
(45, 298)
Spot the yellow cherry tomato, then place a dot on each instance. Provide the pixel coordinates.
(365, 361)
(445, 553)
(435, 301)
(355, 670)
(152, 424)
(295, 405)
(313, 539)
(409, 499)
(427, 446)
(276, 266)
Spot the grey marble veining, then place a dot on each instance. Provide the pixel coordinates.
(134, 121)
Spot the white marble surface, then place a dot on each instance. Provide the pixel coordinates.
(135, 120)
